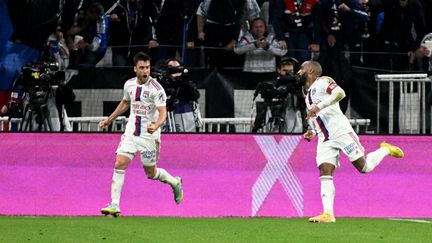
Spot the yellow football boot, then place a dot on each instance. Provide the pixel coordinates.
(394, 151)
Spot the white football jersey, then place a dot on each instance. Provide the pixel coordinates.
(330, 122)
(144, 98)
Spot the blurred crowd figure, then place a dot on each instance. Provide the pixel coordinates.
(131, 30)
(209, 34)
(260, 48)
(88, 39)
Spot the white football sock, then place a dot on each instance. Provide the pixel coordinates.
(327, 193)
(374, 158)
(117, 185)
(165, 177)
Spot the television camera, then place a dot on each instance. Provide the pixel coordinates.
(275, 94)
(279, 88)
(37, 80)
(164, 75)
(176, 86)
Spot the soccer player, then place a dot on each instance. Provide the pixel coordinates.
(335, 134)
(147, 101)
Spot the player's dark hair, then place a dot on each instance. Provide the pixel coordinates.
(141, 56)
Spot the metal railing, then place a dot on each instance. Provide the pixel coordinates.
(412, 101)
(210, 125)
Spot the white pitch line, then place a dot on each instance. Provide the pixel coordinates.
(412, 220)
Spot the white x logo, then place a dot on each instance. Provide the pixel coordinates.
(277, 168)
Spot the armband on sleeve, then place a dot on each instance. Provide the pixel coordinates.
(336, 95)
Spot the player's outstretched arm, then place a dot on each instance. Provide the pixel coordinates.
(122, 107)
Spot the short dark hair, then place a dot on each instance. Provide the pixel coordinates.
(141, 56)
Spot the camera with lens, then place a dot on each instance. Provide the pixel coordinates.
(278, 89)
(164, 76)
(36, 78)
(177, 87)
(40, 75)
(275, 94)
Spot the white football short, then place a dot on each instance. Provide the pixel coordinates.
(148, 148)
(349, 144)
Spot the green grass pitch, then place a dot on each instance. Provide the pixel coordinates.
(166, 229)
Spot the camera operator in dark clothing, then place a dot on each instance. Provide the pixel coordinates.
(282, 99)
(182, 106)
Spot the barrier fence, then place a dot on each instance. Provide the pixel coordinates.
(239, 175)
(412, 101)
(210, 125)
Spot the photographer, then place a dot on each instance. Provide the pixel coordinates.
(182, 94)
(282, 99)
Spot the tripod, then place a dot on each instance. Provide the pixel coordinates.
(270, 117)
(37, 110)
(275, 116)
(171, 122)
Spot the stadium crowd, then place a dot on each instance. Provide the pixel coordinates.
(336, 33)
(252, 35)
(382, 34)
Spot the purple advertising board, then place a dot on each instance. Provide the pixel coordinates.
(223, 175)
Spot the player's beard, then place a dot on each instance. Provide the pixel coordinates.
(303, 79)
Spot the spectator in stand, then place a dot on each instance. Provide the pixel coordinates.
(397, 36)
(342, 24)
(177, 18)
(92, 45)
(57, 49)
(131, 24)
(218, 26)
(422, 58)
(292, 22)
(260, 48)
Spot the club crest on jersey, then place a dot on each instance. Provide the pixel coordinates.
(313, 91)
(146, 93)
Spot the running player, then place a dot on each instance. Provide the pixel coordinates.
(147, 102)
(335, 134)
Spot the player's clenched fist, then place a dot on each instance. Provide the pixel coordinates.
(151, 127)
(308, 135)
(104, 124)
